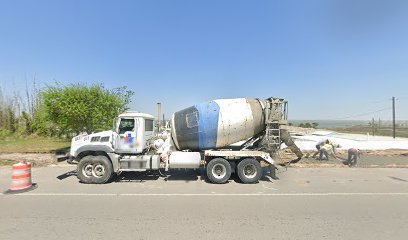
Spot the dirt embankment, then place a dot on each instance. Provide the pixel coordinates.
(36, 159)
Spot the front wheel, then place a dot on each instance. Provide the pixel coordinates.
(249, 170)
(218, 170)
(94, 169)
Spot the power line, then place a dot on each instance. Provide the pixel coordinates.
(378, 101)
(369, 103)
(363, 114)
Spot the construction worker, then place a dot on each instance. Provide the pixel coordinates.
(335, 146)
(319, 144)
(327, 149)
(353, 156)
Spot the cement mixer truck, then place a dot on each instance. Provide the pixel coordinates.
(226, 136)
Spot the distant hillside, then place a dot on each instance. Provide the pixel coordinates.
(335, 124)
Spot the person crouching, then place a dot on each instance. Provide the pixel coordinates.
(353, 156)
(326, 150)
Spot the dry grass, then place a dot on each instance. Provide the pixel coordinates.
(33, 145)
(7, 162)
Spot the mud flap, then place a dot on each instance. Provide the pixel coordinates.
(273, 169)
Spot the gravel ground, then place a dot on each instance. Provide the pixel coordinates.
(365, 162)
(36, 159)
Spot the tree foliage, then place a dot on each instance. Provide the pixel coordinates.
(309, 125)
(9, 108)
(79, 108)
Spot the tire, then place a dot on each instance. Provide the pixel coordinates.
(218, 170)
(94, 169)
(249, 170)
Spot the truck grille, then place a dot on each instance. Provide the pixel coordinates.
(95, 139)
(105, 139)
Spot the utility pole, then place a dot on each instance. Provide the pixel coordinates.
(158, 116)
(373, 126)
(393, 117)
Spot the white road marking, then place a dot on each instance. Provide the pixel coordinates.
(211, 194)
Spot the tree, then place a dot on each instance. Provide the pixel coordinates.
(79, 108)
(308, 125)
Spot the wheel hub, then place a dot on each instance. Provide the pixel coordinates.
(87, 170)
(98, 170)
(250, 171)
(219, 171)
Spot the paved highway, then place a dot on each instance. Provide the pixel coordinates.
(333, 203)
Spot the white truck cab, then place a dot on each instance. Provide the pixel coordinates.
(132, 130)
(130, 134)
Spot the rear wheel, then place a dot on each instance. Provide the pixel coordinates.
(94, 169)
(218, 170)
(249, 170)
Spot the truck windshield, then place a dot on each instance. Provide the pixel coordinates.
(126, 125)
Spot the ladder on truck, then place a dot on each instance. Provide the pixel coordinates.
(273, 136)
(276, 116)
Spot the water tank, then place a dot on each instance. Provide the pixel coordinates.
(217, 123)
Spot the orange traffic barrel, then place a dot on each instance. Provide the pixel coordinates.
(21, 178)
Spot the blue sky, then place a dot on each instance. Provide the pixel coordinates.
(330, 59)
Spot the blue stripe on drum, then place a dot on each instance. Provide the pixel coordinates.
(207, 124)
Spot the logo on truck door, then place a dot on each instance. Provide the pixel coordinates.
(129, 139)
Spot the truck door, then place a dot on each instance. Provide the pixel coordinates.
(126, 140)
(148, 129)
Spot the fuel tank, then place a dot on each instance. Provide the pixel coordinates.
(218, 123)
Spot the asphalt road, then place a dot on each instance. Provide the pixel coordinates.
(333, 203)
